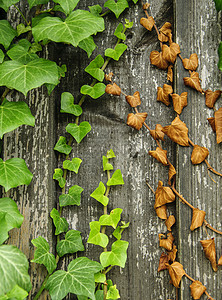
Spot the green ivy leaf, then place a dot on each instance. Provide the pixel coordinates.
(5, 4)
(118, 32)
(61, 224)
(220, 56)
(42, 255)
(35, 47)
(7, 33)
(218, 4)
(68, 106)
(95, 91)
(117, 7)
(116, 179)
(36, 2)
(13, 269)
(78, 131)
(100, 277)
(62, 147)
(94, 68)
(24, 78)
(95, 9)
(14, 172)
(99, 295)
(116, 52)
(88, 45)
(98, 194)
(106, 165)
(72, 198)
(13, 115)
(112, 219)
(21, 28)
(12, 217)
(72, 165)
(78, 280)
(117, 256)
(113, 293)
(117, 233)
(110, 154)
(19, 54)
(4, 228)
(71, 244)
(67, 5)
(77, 26)
(95, 237)
(16, 293)
(58, 175)
(2, 56)
(128, 24)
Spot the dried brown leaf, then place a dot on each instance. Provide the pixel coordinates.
(134, 100)
(197, 289)
(172, 254)
(136, 120)
(220, 261)
(170, 73)
(147, 22)
(161, 212)
(170, 222)
(212, 123)
(171, 173)
(218, 124)
(163, 94)
(176, 272)
(193, 81)
(166, 243)
(156, 59)
(113, 89)
(211, 97)
(191, 63)
(210, 252)
(177, 132)
(108, 77)
(146, 5)
(165, 30)
(160, 155)
(179, 102)
(170, 53)
(162, 263)
(163, 195)
(157, 134)
(199, 154)
(197, 218)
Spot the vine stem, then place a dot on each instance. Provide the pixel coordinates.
(6, 91)
(41, 288)
(23, 17)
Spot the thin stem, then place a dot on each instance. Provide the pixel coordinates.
(105, 13)
(23, 17)
(210, 227)
(108, 269)
(189, 277)
(6, 91)
(41, 288)
(150, 187)
(180, 196)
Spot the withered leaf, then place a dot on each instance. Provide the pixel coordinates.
(211, 97)
(172, 254)
(157, 134)
(218, 124)
(156, 59)
(171, 173)
(163, 94)
(212, 123)
(220, 261)
(197, 218)
(165, 30)
(170, 53)
(199, 154)
(177, 132)
(197, 289)
(176, 272)
(191, 63)
(136, 120)
(147, 22)
(166, 243)
(163, 195)
(170, 73)
(161, 212)
(210, 252)
(108, 77)
(160, 155)
(193, 81)
(179, 102)
(170, 222)
(113, 89)
(134, 100)
(162, 263)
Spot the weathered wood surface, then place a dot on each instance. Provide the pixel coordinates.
(197, 30)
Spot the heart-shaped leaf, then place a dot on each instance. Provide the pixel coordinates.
(68, 106)
(176, 272)
(95, 91)
(17, 293)
(62, 147)
(170, 222)
(61, 224)
(116, 52)
(72, 165)
(161, 212)
(193, 81)
(197, 218)
(157, 134)
(94, 68)
(170, 53)
(71, 244)
(136, 120)
(197, 289)
(199, 154)
(177, 132)
(163, 94)
(156, 59)
(113, 293)
(7, 33)
(117, 256)
(211, 97)
(21, 55)
(95, 237)
(210, 252)
(106, 165)
(163, 195)
(116, 179)
(179, 102)
(191, 63)
(165, 31)
(72, 198)
(166, 243)
(147, 22)
(162, 262)
(67, 5)
(112, 219)
(119, 32)
(218, 124)
(87, 45)
(134, 100)
(113, 89)
(78, 131)
(160, 155)
(58, 175)
(95, 9)
(116, 7)
(99, 193)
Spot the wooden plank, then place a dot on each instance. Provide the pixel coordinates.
(198, 29)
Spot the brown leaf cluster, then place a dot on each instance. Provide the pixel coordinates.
(176, 272)
(177, 132)
(171, 173)
(113, 89)
(197, 289)
(160, 155)
(172, 254)
(163, 195)
(211, 97)
(170, 73)
(163, 94)
(170, 222)
(108, 77)
(218, 124)
(136, 120)
(134, 100)
(191, 63)
(170, 53)
(210, 252)
(193, 81)
(166, 243)
(199, 154)
(156, 59)
(197, 218)
(157, 134)
(147, 22)
(179, 102)
(165, 31)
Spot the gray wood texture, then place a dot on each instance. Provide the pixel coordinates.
(197, 29)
